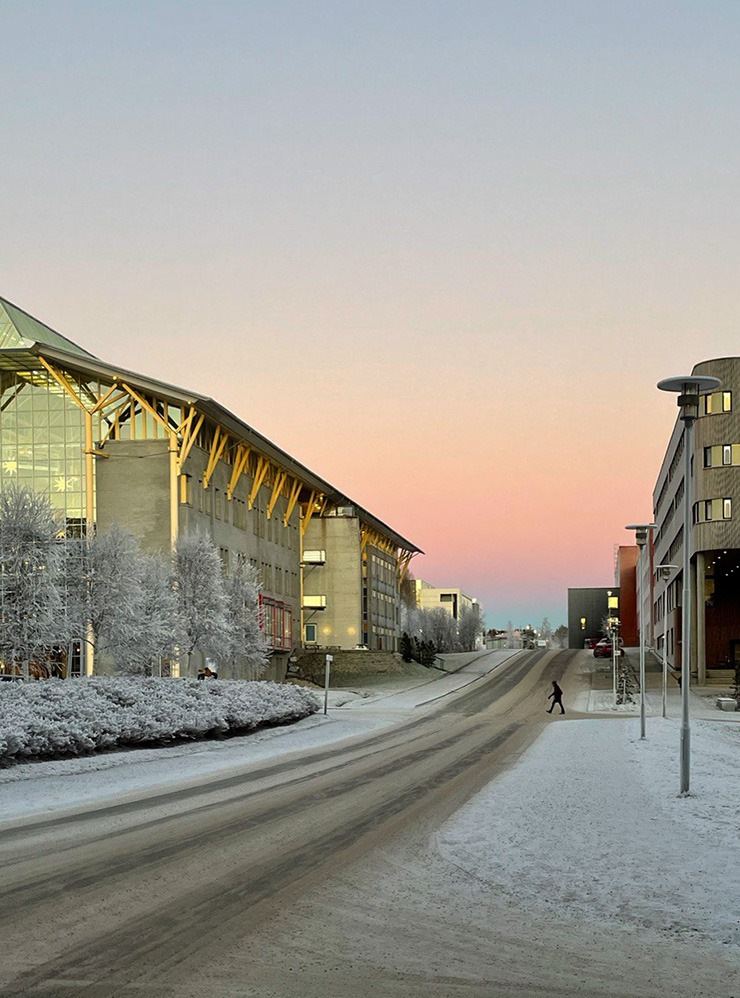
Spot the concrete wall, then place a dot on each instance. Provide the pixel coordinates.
(133, 490)
(340, 580)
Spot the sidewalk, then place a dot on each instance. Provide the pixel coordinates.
(478, 664)
(598, 696)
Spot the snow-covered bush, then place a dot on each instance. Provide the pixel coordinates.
(59, 717)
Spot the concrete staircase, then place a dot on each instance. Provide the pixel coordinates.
(721, 677)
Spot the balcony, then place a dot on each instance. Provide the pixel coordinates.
(314, 558)
(314, 602)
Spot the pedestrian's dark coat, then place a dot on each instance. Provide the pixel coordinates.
(557, 694)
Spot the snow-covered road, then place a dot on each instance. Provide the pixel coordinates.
(575, 871)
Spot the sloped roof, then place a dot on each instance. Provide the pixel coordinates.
(23, 339)
(19, 329)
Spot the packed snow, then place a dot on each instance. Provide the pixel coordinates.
(589, 822)
(56, 717)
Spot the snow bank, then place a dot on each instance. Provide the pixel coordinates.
(73, 717)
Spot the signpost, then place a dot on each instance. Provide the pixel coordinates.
(329, 660)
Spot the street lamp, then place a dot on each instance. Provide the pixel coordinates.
(641, 534)
(663, 572)
(689, 388)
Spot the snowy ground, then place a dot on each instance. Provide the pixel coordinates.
(586, 824)
(589, 822)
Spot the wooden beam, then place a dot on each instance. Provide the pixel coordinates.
(259, 476)
(294, 493)
(276, 489)
(189, 439)
(220, 439)
(240, 463)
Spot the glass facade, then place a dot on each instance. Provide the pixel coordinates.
(42, 441)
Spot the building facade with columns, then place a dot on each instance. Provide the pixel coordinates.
(110, 446)
(714, 540)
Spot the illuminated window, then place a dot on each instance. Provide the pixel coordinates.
(583, 623)
(708, 509)
(726, 454)
(726, 401)
(727, 509)
(707, 405)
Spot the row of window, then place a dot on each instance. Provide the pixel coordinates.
(722, 455)
(716, 402)
(274, 578)
(712, 509)
(214, 502)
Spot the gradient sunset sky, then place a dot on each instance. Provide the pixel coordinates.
(441, 252)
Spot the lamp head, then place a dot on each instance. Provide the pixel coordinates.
(641, 532)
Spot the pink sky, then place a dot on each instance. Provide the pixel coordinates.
(441, 253)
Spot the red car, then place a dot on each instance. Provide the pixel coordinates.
(604, 648)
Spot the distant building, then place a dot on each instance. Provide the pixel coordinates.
(587, 609)
(453, 600)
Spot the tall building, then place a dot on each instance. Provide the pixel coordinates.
(107, 445)
(714, 541)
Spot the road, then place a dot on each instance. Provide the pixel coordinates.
(313, 875)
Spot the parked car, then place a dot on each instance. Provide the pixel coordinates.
(590, 643)
(604, 648)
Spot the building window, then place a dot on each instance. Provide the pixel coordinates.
(727, 509)
(310, 634)
(707, 457)
(217, 505)
(726, 401)
(708, 509)
(208, 500)
(726, 454)
(707, 405)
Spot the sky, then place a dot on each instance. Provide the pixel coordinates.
(440, 252)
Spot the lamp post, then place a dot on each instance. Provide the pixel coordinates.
(689, 388)
(641, 535)
(663, 573)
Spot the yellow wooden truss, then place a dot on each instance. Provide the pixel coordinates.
(114, 403)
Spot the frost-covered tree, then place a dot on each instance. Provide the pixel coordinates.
(441, 628)
(202, 604)
(31, 617)
(470, 627)
(113, 592)
(155, 639)
(560, 634)
(546, 629)
(510, 635)
(412, 620)
(248, 649)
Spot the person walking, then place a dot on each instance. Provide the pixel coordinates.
(557, 698)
